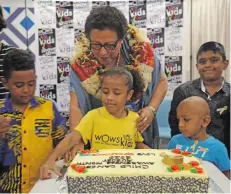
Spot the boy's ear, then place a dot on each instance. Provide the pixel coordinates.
(4, 82)
(226, 63)
(129, 96)
(206, 121)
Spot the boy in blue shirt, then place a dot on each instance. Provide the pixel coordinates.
(193, 116)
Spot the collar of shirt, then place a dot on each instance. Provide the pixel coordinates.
(203, 89)
(9, 107)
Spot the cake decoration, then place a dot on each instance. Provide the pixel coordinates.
(93, 150)
(180, 167)
(87, 152)
(184, 153)
(172, 159)
(187, 166)
(176, 151)
(79, 168)
(107, 169)
(194, 163)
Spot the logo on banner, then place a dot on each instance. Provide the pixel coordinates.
(173, 66)
(82, 5)
(156, 36)
(173, 70)
(47, 42)
(63, 68)
(137, 13)
(174, 14)
(78, 34)
(48, 92)
(96, 4)
(64, 14)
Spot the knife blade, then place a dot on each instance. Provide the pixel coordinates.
(63, 171)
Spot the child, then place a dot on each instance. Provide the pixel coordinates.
(211, 86)
(193, 116)
(109, 127)
(36, 125)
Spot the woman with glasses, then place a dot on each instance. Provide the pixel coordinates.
(110, 41)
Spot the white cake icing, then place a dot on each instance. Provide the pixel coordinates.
(111, 164)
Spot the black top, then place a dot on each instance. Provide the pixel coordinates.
(219, 105)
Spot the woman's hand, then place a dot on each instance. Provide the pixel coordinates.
(49, 165)
(145, 119)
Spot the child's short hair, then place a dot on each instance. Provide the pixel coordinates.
(134, 79)
(2, 20)
(17, 60)
(216, 47)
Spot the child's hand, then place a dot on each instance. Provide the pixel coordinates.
(4, 126)
(69, 156)
(49, 165)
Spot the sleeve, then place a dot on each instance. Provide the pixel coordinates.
(58, 127)
(222, 159)
(172, 143)
(138, 137)
(178, 96)
(85, 127)
(71, 88)
(156, 74)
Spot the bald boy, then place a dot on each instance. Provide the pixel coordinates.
(193, 116)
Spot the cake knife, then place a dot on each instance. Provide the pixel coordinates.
(63, 171)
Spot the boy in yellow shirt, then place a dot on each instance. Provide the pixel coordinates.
(36, 125)
(109, 127)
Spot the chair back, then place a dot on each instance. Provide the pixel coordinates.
(163, 112)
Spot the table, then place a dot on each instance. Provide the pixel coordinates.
(218, 181)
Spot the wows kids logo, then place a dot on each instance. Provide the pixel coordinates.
(124, 141)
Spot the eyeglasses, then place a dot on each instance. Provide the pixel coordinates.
(212, 60)
(98, 46)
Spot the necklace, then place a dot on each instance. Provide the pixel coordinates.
(118, 60)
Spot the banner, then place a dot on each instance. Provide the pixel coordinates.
(61, 23)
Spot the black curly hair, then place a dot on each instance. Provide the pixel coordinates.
(2, 20)
(106, 17)
(17, 60)
(133, 77)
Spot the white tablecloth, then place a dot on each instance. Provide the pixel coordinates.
(218, 182)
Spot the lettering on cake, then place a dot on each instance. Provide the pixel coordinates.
(135, 166)
(118, 160)
(89, 163)
(121, 160)
(112, 154)
(145, 154)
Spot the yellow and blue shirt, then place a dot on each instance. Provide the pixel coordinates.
(31, 138)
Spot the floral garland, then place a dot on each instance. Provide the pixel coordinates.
(88, 68)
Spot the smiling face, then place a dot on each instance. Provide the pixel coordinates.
(115, 94)
(22, 86)
(110, 38)
(210, 66)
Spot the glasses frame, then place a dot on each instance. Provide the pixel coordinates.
(104, 46)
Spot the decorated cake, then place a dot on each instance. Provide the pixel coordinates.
(136, 171)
